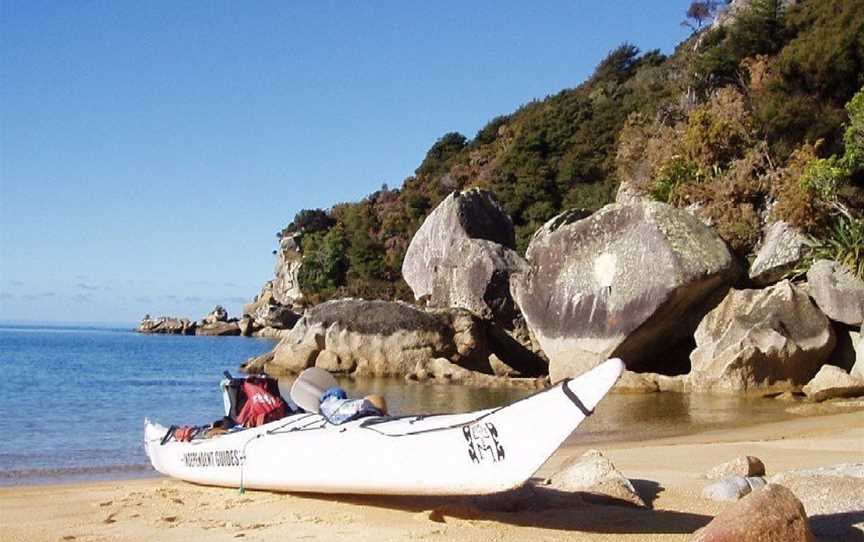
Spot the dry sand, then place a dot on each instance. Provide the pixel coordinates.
(667, 472)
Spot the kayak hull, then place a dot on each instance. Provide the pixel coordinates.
(474, 453)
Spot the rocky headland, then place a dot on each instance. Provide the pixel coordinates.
(643, 281)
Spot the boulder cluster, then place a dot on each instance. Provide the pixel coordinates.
(638, 279)
(215, 324)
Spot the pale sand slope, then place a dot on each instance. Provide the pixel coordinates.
(667, 471)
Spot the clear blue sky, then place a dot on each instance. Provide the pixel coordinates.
(149, 151)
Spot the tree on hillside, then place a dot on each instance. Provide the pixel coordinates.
(700, 12)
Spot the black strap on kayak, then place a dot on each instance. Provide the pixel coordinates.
(576, 401)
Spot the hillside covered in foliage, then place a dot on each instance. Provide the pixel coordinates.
(757, 117)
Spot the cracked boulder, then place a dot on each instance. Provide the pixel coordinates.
(767, 340)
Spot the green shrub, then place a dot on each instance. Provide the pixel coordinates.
(843, 242)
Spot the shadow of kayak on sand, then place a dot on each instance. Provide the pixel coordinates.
(541, 508)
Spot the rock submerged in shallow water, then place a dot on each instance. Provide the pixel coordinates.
(595, 476)
(831, 382)
(773, 514)
(782, 249)
(462, 256)
(761, 340)
(626, 281)
(838, 292)
(745, 465)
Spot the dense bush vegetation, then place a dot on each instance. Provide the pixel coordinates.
(746, 122)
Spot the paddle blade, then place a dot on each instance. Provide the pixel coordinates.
(307, 389)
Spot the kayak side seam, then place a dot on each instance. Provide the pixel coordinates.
(575, 399)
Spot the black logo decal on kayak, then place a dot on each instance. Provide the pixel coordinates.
(218, 458)
(483, 442)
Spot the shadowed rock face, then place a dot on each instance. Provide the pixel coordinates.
(462, 256)
(627, 281)
(761, 340)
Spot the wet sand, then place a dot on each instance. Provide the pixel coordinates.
(667, 472)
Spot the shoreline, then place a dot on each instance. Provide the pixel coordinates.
(667, 472)
(582, 439)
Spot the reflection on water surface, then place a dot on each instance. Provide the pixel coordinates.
(619, 417)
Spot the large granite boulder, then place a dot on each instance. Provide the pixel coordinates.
(838, 292)
(628, 281)
(832, 497)
(761, 340)
(462, 256)
(782, 249)
(773, 514)
(372, 338)
(831, 382)
(168, 325)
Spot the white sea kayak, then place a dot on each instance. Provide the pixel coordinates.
(475, 453)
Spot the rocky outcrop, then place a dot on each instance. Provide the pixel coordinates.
(218, 314)
(168, 325)
(286, 286)
(627, 281)
(217, 324)
(376, 338)
(831, 496)
(761, 340)
(782, 249)
(462, 256)
(773, 514)
(266, 312)
(219, 329)
(838, 292)
(831, 382)
(596, 477)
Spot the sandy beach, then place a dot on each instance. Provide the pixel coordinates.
(667, 472)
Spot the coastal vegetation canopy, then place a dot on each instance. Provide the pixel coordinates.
(760, 116)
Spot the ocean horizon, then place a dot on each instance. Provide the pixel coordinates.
(75, 396)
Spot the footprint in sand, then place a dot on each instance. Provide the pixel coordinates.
(110, 518)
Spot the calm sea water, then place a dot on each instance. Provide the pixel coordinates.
(73, 400)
